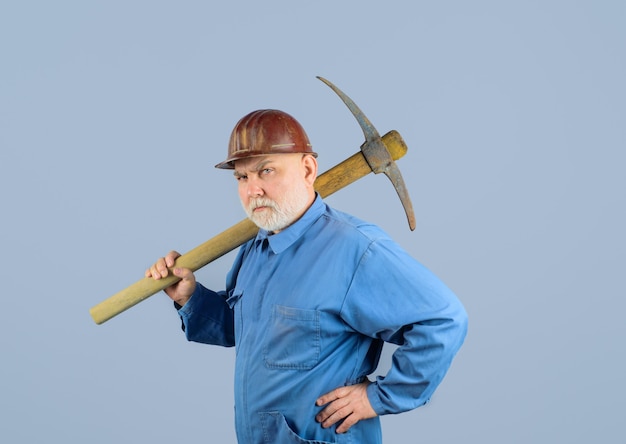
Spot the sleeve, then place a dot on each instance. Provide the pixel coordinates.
(396, 299)
(207, 318)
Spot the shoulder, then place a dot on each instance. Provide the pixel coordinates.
(339, 224)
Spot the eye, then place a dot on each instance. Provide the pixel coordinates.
(266, 171)
(240, 178)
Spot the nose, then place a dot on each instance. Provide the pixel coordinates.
(253, 188)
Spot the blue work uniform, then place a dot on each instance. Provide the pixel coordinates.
(309, 309)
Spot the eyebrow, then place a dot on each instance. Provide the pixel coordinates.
(258, 167)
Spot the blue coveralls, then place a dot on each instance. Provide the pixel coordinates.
(308, 310)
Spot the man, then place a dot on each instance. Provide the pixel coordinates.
(310, 301)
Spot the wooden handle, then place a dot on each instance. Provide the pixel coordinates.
(339, 176)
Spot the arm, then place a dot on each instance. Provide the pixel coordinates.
(396, 299)
(206, 316)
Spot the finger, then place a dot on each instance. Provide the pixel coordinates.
(333, 412)
(171, 257)
(338, 416)
(331, 396)
(348, 422)
(156, 270)
(161, 267)
(153, 272)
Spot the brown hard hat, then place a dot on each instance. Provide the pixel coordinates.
(265, 131)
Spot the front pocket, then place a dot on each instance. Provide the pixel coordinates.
(293, 339)
(276, 430)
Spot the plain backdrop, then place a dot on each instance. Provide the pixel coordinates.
(112, 115)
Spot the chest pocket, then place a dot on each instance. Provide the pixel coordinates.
(292, 340)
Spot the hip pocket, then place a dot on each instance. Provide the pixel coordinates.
(293, 339)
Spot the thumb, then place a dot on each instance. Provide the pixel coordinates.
(186, 286)
(182, 273)
(188, 280)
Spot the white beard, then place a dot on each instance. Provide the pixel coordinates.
(275, 216)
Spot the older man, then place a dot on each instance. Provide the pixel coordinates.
(310, 301)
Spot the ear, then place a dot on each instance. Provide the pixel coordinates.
(309, 164)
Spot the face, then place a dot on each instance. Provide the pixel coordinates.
(275, 190)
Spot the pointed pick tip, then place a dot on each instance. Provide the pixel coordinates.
(411, 220)
(325, 81)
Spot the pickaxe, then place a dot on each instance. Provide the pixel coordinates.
(377, 155)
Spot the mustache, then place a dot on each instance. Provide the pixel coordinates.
(261, 202)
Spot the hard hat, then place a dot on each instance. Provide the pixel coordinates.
(266, 131)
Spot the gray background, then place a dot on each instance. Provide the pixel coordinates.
(112, 115)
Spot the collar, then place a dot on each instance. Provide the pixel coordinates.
(282, 240)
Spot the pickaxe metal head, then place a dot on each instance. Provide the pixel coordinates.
(376, 153)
